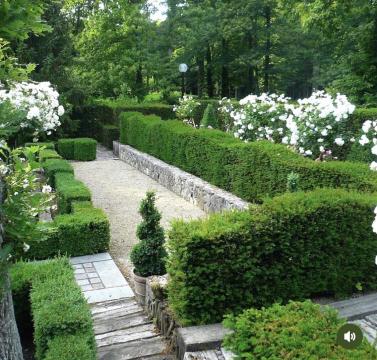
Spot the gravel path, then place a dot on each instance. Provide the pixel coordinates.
(118, 188)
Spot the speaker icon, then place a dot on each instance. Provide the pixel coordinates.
(350, 336)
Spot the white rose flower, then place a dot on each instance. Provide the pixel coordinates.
(339, 141)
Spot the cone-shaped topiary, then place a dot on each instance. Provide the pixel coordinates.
(148, 256)
(210, 119)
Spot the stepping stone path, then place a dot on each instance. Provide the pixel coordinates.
(122, 330)
(361, 311)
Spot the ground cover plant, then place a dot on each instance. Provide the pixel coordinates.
(300, 331)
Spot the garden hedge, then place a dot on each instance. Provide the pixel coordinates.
(299, 330)
(110, 133)
(360, 116)
(47, 145)
(47, 154)
(290, 248)
(84, 231)
(85, 149)
(53, 167)
(82, 149)
(47, 293)
(66, 148)
(252, 171)
(68, 189)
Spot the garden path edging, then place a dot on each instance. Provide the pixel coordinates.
(193, 189)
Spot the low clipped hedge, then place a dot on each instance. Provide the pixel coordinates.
(66, 148)
(68, 189)
(165, 112)
(86, 230)
(252, 171)
(85, 149)
(46, 145)
(47, 293)
(290, 248)
(47, 154)
(299, 330)
(82, 149)
(53, 167)
(110, 133)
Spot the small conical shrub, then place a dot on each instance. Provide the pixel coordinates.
(149, 255)
(210, 119)
(293, 182)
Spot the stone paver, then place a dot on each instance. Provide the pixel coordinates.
(118, 188)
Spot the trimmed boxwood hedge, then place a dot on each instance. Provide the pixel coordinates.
(82, 149)
(85, 231)
(48, 154)
(110, 133)
(47, 145)
(66, 148)
(48, 292)
(292, 247)
(252, 171)
(68, 189)
(85, 149)
(56, 166)
(299, 330)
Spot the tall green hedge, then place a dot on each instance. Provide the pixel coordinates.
(252, 171)
(110, 133)
(290, 248)
(61, 317)
(85, 231)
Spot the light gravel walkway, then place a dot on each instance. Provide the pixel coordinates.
(118, 188)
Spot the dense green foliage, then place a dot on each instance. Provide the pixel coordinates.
(292, 247)
(110, 133)
(252, 171)
(84, 231)
(85, 149)
(66, 148)
(149, 255)
(47, 292)
(47, 154)
(210, 119)
(46, 145)
(68, 189)
(54, 166)
(301, 331)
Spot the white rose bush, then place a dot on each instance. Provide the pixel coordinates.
(315, 127)
(37, 102)
(186, 108)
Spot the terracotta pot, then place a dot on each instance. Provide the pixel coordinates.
(140, 288)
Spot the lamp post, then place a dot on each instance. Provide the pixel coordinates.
(183, 69)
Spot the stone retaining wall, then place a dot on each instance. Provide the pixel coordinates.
(193, 189)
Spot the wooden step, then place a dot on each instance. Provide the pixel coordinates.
(126, 335)
(138, 349)
(106, 325)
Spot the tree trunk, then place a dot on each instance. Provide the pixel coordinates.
(251, 86)
(201, 75)
(224, 71)
(210, 91)
(267, 57)
(10, 344)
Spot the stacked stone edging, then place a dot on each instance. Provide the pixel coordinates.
(193, 189)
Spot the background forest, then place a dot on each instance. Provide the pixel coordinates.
(112, 49)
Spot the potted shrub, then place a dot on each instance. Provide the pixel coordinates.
(148, 256)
